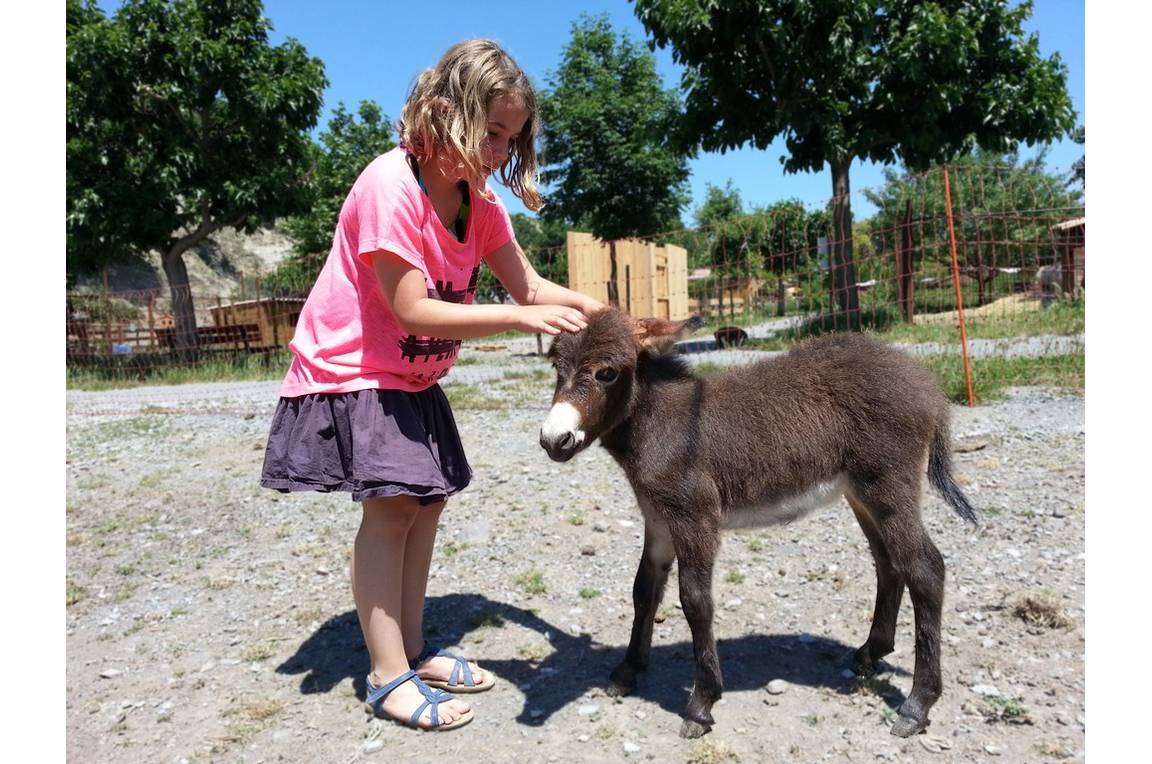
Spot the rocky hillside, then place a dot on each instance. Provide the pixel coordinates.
(216, 268)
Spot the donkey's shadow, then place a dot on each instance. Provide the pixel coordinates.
(577, 664)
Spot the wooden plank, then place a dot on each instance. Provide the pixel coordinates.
(677, 282)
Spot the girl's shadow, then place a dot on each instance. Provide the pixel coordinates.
(336, 652)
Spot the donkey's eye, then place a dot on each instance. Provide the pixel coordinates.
(606, 375)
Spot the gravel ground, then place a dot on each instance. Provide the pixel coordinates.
(211, 620)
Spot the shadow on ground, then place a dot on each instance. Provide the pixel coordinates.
(336, 652)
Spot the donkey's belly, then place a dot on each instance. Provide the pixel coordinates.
(789, 508)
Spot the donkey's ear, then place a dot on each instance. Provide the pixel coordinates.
(657, 334)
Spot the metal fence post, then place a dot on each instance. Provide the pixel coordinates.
(959, 295)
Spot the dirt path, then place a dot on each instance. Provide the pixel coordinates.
(211, 620)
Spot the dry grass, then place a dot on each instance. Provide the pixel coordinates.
(1042, 609)
(711, 752)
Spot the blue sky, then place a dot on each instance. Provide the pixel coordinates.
(373, 50)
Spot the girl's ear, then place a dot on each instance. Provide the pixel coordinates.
(657, 334)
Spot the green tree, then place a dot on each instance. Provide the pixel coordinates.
(1077, 175)
(778, 239)
(607, 162)
(543, 242)
(181, 120)
(883, 81)
(719, 204)
(344, 150)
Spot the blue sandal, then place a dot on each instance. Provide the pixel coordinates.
(461, 668)
(434, 698)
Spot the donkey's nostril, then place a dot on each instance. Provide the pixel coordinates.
(568, 442)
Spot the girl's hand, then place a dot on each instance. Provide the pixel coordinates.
(592, 305)
(550, 319)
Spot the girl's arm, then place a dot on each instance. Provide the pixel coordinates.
(527, 287)
(407, 294)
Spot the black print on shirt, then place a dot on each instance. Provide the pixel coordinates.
(446, 293)
(412, 347)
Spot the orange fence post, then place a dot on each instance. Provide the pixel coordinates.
(959, 295)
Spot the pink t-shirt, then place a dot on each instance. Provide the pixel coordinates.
(347, 337)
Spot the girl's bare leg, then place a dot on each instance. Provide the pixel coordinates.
(378, 587)
(417, 560)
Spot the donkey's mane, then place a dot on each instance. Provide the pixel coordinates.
(655, 368)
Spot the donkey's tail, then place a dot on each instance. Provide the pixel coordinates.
(940, 473)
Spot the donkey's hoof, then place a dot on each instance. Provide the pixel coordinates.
(618, 690)
(692, 729)
(906, 726)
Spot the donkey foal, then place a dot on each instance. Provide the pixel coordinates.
(840, 415)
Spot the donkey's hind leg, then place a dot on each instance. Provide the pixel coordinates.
(889, 592)
(647, 591)
(892, 502)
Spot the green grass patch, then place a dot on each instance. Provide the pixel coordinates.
(532, 582)
(463, 396)
(1010, 710)
(991, 377)
(588, 593)
(486, 619)
(73, 593)
(118, 372)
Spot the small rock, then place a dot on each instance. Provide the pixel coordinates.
(630, 747)
(600, 527)
(641, 715)
(992, 750)
(988, 642)
(588, 710)
(110, 673)
(584, 738)
(986, 690)
(1059, 512)
(475, 533)
(969, 445)
(733, 603)
(322, 571)
(777, 687)
(587, 550)
(935, 743)
(372, 746)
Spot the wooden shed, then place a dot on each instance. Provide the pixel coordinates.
(1070, 241)
(651, 281)
(275, 316)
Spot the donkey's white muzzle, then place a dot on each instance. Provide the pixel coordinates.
(560, 435)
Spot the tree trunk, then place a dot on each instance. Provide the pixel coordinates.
(184, 336)
(843, 269)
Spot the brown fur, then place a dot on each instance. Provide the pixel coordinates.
(699, 452)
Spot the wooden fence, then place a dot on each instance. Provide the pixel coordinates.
(650, 281)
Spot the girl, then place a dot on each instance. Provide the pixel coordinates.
(360, 409)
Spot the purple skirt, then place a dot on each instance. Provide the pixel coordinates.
(368, 442)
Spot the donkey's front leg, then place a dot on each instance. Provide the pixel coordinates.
(696, 550)
(647, 591)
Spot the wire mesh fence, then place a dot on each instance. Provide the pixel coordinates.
(977, 270)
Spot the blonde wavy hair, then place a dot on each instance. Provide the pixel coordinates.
(448, 109)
